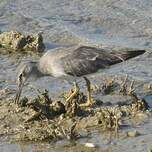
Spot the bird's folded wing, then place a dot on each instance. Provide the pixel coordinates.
(85, 60)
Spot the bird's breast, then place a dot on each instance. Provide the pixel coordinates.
(51, 66)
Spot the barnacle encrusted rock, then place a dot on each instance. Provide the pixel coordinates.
(19, 42)
(110, 118)
(43, 119)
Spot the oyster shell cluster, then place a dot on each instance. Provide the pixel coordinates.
(18, 42)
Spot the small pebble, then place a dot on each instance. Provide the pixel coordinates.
(149, 150)
(142, 115)
(90, 145)
(113, 143)
(133, 133)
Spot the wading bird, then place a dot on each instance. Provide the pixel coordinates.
(75, 61)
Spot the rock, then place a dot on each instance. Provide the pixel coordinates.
(23, 102)
(90, 145)
(19, 42)
(149, 150)
(58, 108)
(99, 102)
(133, 133)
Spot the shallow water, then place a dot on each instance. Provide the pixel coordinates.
(112, 23)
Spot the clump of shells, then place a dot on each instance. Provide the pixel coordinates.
(18, 42)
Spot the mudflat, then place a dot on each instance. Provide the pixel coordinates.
(115, 25)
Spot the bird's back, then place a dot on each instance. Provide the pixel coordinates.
(83, 60)
(51, 63)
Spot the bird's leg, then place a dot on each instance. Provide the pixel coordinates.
(123, 87)
(68, 79)
(74, 93)
(18, 94)
(90, 100)
(19, 91)
(131, 89)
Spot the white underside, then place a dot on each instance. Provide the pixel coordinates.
(51, 64)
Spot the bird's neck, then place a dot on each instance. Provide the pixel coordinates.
(40, 72)
(36, 71)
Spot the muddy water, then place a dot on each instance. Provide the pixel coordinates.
(112, 23)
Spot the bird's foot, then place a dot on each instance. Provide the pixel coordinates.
(90, 100)
(89, 103)
(74, 93)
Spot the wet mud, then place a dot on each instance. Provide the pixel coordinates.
(60, 118)
(43, 120)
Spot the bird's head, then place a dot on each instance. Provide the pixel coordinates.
(24, 72)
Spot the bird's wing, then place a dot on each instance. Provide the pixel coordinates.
(85, 60)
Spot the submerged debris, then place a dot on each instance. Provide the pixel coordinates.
(125, 90)
(19, 42)
(139, 105)
(123, 87)
(109, 118)
(44, 108)
(90, 145)
(70, 133)
(23, 102)
(46, 131)
(108, 86)
(133, 133)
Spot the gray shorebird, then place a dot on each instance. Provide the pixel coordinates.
(75, 61)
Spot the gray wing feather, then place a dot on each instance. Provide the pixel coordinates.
(85, 60)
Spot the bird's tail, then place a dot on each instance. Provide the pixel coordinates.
(125, 55)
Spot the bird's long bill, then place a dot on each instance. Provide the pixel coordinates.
(18, 93)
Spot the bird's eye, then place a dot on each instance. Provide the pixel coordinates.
(20, 77)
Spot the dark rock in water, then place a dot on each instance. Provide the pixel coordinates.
(23, 102)
(120, 103)
(107, 103)
(99, 102)
(140, 105)
(134, 133)
(58, 108)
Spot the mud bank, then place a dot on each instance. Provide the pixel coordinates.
(63, 23)
(45, 120)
